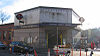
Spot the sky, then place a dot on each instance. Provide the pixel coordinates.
(88, 9)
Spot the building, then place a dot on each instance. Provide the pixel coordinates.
(6, 32)
(44, 27)
(93, 35)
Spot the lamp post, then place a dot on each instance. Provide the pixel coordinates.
(81, 19)
(57, 41)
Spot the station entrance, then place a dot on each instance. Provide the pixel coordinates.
(44, 36)
(57, 36)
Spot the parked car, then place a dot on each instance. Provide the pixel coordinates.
(21, 47)
(2, 46)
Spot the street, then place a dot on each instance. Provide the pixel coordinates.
(75, 53)
(83, 53)
(6, 53)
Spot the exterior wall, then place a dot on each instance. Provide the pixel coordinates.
(31, 36)
(56, 15)
(6, 33)
(42, 38)
(40, 15)
(29, 17)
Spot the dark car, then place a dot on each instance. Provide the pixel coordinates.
(20, 47)
(2, 46)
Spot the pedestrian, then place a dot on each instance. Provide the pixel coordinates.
(91, 53)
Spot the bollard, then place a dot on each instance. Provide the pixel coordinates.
(64, 53)
(48, 52)
(57, 51)
(10, 50)
(80, 51)
(27, 54)
(35, 53)
(72, 52)
(86, 53)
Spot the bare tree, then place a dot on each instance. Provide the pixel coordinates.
(4, 16)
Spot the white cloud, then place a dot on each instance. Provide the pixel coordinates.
(0, 3)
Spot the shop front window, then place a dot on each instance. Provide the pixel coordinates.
(4, 35)
(10, 35)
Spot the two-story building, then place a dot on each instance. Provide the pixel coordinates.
(6, 33)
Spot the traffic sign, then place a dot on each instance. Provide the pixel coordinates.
(81, 19)
(19, 16)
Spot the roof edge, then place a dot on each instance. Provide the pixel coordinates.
(6, 24)
(42, 7)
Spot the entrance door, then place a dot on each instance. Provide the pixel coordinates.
(51, 36)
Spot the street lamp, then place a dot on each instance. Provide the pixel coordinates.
(81, 19)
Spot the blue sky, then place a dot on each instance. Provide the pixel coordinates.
(89, 9)
(4, 3)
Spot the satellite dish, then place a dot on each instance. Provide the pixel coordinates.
(19, 16)
(81, 19)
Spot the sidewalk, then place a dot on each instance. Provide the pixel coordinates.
(83, 53)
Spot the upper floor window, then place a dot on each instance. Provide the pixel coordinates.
(10, 35)
(4, 35)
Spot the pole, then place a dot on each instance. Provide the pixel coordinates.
(10, 49)
(86, 53)
(57, 41)
(80, 51)
(27, 54)
(72, 52)
(48, 52)
(81, 36)
(64, 53)
(47, 40)
(35, 52)
(57, 36)
(61, 38)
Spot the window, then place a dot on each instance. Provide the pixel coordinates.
(10, 35)
(4, 35)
